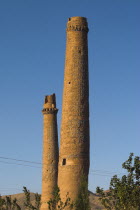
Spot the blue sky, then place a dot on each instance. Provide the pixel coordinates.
(32, 52)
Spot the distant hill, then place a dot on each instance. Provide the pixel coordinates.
(94, 200)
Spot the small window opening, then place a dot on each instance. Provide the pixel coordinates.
(69, 82)
(64, 162)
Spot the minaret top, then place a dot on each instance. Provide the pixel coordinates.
(77, 24)
(50, 105)
(50, 101)
(78, 18)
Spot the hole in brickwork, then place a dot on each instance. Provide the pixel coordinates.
(64, 162)
(69, 82)
(79, 51)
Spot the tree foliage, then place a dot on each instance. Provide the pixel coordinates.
(57, 203)
(124, 192)
(8, 204)
(28, 204)
(82, 201)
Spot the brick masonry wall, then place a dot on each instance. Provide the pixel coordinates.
(74, 144)
(50, 150)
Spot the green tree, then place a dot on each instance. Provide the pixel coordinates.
(28, 204)
(82, 201)
(57, 203)
(8, 204)
(124, 192)
(15, 205)
(2, 203)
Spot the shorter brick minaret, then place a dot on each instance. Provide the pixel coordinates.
(50, 150)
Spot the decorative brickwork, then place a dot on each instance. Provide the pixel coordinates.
(50, 150)
(74, 144)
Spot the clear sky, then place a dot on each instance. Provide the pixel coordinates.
(32, 51)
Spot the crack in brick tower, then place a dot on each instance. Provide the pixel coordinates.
(74, 144)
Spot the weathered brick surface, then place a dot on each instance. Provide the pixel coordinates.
(74, 144)
(50, 150)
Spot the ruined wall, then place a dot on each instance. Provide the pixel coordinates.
(74, 144)
(50, 150)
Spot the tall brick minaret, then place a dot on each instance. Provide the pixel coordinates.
(50, 150)
(74, 144)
